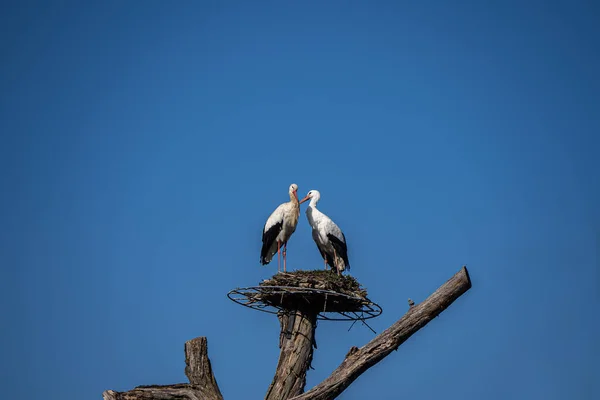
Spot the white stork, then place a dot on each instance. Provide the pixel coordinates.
(279, 228)
(329, 238)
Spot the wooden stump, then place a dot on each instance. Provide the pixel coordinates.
(202, 386)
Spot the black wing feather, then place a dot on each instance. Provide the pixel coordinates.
(340, 248)
(268, 238)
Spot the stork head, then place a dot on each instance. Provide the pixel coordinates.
(293, 191)
(313, 194)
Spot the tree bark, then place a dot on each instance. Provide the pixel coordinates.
(202, 386)
(181, 391)
(358, 361)
(198, 368)
(296, 341)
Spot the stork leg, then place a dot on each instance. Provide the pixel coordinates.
(284, 253)
(278, 256)
(325, 261)
(335, 263)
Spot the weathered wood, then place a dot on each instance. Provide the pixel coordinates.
(182, 391)
(197, 365)
(358, 361)
(202, 386)
(296, 341)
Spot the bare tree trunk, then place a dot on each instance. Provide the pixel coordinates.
(202, 386)
(296, 341)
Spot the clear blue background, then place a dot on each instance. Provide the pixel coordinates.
(144, 144)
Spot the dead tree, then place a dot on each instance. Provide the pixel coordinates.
(202, 386)
(297, 340)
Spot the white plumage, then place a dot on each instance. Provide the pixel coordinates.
(329, 238)
(278, 229)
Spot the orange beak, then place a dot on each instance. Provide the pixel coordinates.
(304, 199)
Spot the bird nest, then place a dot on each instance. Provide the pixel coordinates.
(319, 292)
(318, 279)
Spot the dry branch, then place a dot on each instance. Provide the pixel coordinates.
(358, 361)
(202, 386)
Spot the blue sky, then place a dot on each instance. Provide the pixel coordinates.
(144, 144)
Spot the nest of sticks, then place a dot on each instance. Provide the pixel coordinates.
(314, 291)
